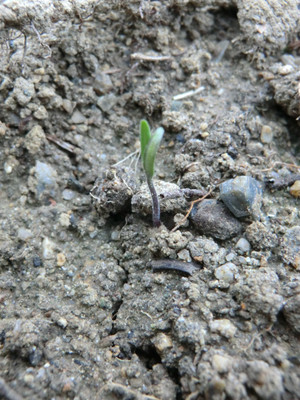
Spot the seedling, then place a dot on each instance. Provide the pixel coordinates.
(149, 146)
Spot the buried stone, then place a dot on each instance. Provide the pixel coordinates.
(242, 195)
(211, 217)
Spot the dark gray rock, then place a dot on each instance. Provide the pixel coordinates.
(291, 311)
(242, 195)
(211, 217)
(290, 247)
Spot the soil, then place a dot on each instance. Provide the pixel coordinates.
(95, 302)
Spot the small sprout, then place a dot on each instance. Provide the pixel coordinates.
(149, 146)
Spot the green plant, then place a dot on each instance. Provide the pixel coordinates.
(149, 146)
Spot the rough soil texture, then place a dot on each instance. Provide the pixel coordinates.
(83, 314)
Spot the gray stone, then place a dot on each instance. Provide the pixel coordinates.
(290, 247)
(291, 311)
(23, 91)
(243, 246)
(107, 102)
(24, 234)
(212, 218)
(34, 139)
(224, 327)
(68, 194)
(46, 179)
(102, 83)
(242, 195)
(78, 118)
(266, 381)
(226, 272)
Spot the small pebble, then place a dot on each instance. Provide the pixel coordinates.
(176, 105)
(224, 327)
(24, 234)
(48, 248)
(203, 126)
(290, 247)
(64, 220)
(226, 272)
(35, 139)
(107, 102)
(3, 129)
(102, 83)
(23, 91)
(162, 342)
(115, 235)
(62, 322)
(37, 262)
(68, 194)
(10, 164)
(242, 195)
(243, 246)
(28, 378)
(221, 364)
(46, 176)
(184, 255)
(60, 259)
(230, 257)
(77, 118)
(204, 135)
(266, 135)
(295, 189)
(41, 113)
(291, 312)
(67, 106)
(285, 69)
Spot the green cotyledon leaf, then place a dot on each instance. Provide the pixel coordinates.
(145, 135)
(150, 152)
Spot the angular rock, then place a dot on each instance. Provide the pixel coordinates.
(242, 195)
(290, 247)
(211, 217)
(291, 311)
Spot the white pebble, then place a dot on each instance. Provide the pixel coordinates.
(221, 364)
(285, 69)
(68, 194)
(227, 272)
(224, 327)
(48, 248)
(243, 245)
(266, 134)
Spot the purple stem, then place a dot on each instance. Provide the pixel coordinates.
(155, 204)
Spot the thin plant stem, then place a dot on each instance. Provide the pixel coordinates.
(155, 203)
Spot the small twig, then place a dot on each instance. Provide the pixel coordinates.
(24, 53)
(256, 336)
(190, 209)
(7, 393)
(280, 163)
(62, 144)
(41, 40)
(126, 158)
(189, 93)
(146, 57)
